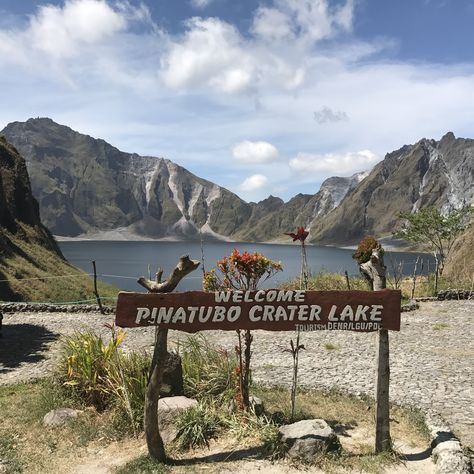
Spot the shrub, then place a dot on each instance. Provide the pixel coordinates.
(198, 425)
(207, 371)
(364, 249)
(95, 372)
(86, 365)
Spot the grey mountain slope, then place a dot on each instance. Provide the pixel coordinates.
(84, 185)
(429, 173)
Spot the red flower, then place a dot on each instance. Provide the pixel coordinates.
(300, 235)
(237, 370)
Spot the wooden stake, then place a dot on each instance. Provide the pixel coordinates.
(414, 278)
(96, 292)
(154, 441)
(348, 282)
(375, 271)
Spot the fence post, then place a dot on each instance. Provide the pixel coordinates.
(96, 292)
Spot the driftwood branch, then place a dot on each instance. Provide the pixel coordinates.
(152, 433)
(374, 270)
(184, 266)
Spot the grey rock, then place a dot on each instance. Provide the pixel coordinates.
(172, 376)
(256, 405)
(306, 440)
(169, 408)
(60, 416)
(450, 459)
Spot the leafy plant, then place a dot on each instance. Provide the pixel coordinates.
(86, 361)
(207, 371)
(198, 425)
(435, 231)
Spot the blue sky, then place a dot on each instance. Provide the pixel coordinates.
(262, 97)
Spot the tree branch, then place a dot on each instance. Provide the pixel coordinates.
(184, 266)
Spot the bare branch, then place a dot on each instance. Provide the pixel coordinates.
(183, 268)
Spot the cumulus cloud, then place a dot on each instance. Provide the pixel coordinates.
(254, 152)
(327, 115)
(253, 183)
(61, 31)
(307, 20)
(213, 54)
(333, 163)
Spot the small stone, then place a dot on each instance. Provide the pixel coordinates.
(172, 376)
(60, 416)
(306, 440)
(256, 405)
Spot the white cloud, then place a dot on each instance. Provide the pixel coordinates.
(307, 20)
(209, 54)
(254, 152)
(253, 183)
(333, 163)
(60, 32)
(201, 3)
(212, 53)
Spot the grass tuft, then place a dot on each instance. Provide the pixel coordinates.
(207, 371)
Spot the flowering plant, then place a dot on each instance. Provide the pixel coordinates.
(241, 271)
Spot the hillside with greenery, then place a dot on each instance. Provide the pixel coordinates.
(32, 267)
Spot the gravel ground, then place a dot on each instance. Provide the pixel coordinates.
(432, 357)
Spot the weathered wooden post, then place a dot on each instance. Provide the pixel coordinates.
(153, 438)
(375, 272)
(96, 291)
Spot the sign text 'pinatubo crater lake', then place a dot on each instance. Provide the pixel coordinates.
(122, 262)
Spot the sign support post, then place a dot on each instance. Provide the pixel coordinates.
(374, 270)
(152, 433)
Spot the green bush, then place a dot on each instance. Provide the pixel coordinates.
(95, 372)
(207, 371)
(198, 425)
(86, 365)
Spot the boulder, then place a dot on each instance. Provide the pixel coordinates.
(307, 440)
(450, 458)
(172, 376)
(60, 416)
(169, 408)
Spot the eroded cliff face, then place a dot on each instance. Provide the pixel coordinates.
(429, 173)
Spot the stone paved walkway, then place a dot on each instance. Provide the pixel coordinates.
(432, 357)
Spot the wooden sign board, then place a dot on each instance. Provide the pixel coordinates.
(271, 310)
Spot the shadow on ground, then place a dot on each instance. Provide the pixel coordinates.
(227, 456)
(23, 343)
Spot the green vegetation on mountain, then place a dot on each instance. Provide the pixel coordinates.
(30, 260)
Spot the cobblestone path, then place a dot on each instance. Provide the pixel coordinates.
(432, 357)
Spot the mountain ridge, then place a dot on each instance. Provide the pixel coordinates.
(85, 185)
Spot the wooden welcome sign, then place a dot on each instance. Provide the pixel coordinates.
(271, 310)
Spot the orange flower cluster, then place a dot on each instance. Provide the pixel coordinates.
(240, 271)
